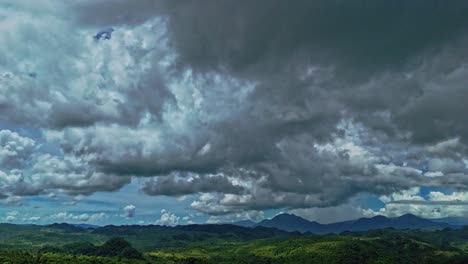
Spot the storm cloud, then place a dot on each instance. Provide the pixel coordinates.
(248, 105)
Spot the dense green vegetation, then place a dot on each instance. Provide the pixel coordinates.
(115, 247)
(226, 244)
(24, 257)
(143, 238)
(324, 249)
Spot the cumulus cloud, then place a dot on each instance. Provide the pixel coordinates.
(167, 218)
(52, 196)
(11, 216)
(13, 200)
(43, 171)
(129, 210)
(174, 185)
(65, 216)
(333, 214)
(32, 219)
(15, 216)
(434, 204)
(255, 216)
(14, 149)
(72, 175)
(238, 103)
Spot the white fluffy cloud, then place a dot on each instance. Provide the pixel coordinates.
(255, 216)
(31, 173)
(435, 204)
(11, 216)
(129, 210)
(16, 217)
(167, 218)
(14, 149)
(343, 212)
(65, 216)
(32, 219)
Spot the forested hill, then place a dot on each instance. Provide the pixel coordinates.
(65, 243)
(291, 223)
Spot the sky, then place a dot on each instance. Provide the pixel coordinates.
(181, 112)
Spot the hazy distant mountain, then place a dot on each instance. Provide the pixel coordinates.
(72, 227)
(407, 221)
(86, 226)
(244, 223)
(290, 223)
(65, 227)
(227, 243)
(460, 221)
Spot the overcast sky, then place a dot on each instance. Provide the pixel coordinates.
(177, 112)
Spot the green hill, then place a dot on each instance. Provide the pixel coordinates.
(227, 244)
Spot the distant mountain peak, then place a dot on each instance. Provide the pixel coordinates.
(65, 227)
(286, 215)
(290, 222)
(244, 223)
(409, 216)
(377, 217)
(290, 217)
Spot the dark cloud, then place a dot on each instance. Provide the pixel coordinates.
(114, 12)
(104, 34)
(246, 35)
(265, 104)
(377, 49)
(310, 65)
(76, 114)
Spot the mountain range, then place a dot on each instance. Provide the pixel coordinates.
(227, 243)
(291, 223)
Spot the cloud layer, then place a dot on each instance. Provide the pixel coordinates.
(247, 106)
